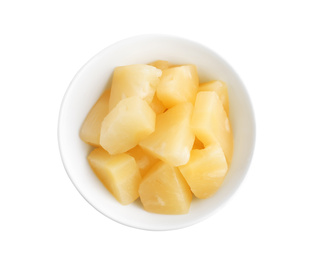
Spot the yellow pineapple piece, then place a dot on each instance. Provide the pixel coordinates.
(143, 159)
(220, 88)
(119, 174)
(91, 128)
(173, 138)
(205, 171)
(163, 190)
(130, 121)
(160, 64)
(211, 124)
(157, 106)
(178, 84)
(138, 80)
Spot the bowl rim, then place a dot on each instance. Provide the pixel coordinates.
(138, 38)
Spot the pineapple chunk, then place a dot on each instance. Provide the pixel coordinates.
(205, 170)
(211, 124)
(173, 138)
(160, 64)
(220, 88)
(157, 106)
(163, 190)
(91, 128)
(143, 159)
(138, 80)
(126, 125)
(178, 84)
(119, 174)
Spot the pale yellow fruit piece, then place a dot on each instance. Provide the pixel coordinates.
(210, 122)
(143, 159)
(160, 64)
(220, 88)
(177, 85)
(126, 125)
(173, 138)
(163, 190)
(157, 106)
(138, 80)
(91, 128)
(205, 171)
(119, 174)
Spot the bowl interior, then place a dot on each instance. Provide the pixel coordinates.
(95, 76)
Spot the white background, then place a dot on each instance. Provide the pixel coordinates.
(44, 43)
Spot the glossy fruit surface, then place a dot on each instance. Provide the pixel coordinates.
(210, 122)
(126, 125)
(91, 128)
(138, 80)
(173, 138)
(143, 159)
(220, 88)
(177, 85)
(119, 174)
(205, 170)
(163, 190)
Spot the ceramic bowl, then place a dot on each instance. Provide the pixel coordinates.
(95, 76)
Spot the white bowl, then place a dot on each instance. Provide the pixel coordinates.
(95, 76)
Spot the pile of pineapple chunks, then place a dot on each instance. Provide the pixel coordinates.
(160, 135)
